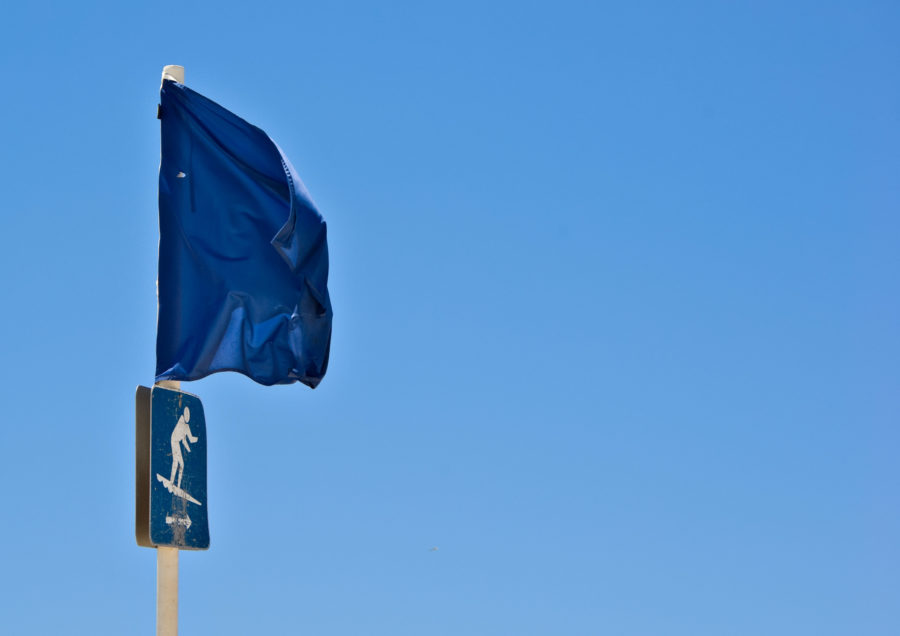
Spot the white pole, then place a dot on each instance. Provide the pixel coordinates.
(173, 72)
(166, 591)
(167, 571)
(167, 558)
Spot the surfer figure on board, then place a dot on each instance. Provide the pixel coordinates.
(181, 435)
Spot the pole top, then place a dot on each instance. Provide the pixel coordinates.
(173, 72)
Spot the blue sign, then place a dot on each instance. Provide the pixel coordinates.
(178, 507)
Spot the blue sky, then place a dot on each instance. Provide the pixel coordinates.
(616, 308)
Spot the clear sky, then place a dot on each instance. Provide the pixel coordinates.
(616, 319)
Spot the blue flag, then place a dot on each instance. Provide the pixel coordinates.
(243, 257)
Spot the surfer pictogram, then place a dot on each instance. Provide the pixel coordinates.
(180, 435)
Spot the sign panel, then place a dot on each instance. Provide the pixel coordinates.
(175, 473)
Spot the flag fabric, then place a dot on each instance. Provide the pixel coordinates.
(243, 256)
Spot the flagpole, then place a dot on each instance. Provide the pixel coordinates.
(167, 558)
(167, 572)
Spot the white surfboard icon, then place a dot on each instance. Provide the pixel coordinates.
(175, 490)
